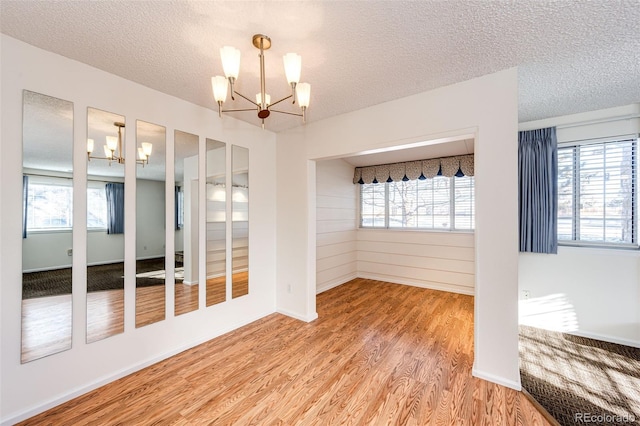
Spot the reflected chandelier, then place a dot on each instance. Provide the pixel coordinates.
(231, 65)
(113, 149)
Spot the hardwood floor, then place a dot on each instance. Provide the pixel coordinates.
(379, 353)
(46, 321)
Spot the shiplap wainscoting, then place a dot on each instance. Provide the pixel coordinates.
(336, 256)
(435, 260)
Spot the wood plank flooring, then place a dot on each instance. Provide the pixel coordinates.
(46, 321)
(379, 354)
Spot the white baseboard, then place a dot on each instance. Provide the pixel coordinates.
(305, 318)
(335, 283)
(605, 338)
(129, 370)
(496, 379)
(416, 283)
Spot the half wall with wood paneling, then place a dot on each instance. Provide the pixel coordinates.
(437, 260)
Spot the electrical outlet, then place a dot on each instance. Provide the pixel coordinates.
(526, 294)
(69, 252)
(289, 288)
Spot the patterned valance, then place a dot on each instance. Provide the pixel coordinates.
(460, 165)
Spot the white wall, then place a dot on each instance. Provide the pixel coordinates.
(585, 291)
(484, 108)
(437, 260)
(30, 388)
(48, 250)
(150, 219)
(336, 198)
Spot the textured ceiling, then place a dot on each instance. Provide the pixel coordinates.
(573, 56)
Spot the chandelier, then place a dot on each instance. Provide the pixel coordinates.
(113, 149)
(263, 105)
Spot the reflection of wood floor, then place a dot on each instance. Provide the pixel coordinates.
(47, 320)
(46, 326)
(379, 353)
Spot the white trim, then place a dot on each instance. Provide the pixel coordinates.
(126, 371)
(297, 316)
(605, 338)
(336, 282)
(451, 288)
(495, 379)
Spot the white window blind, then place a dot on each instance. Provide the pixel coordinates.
(597, 193)
(443, 203)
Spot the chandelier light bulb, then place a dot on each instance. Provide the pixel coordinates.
(90, 145)
(267, 98)
(141, 154)
(303, 91)
(230, 61)
(108, 153)
(220, 86)
(292, 67)
(112, 142)
(146, 149)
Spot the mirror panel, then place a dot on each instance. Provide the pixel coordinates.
(150, 223)
(47, 209)
(240, 229)
(186, 222)
(105, 225)
(216, 222)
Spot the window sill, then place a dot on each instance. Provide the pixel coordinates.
(420, 230)
(599, 250)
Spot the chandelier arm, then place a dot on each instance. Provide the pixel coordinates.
(243, 96)
(99, 158)
(286, 112)
(238, 110)
(277, 102)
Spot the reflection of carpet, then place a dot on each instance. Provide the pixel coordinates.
(570, 375)
(99, 278)
(160, 274)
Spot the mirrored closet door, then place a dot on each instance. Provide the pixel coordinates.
(150, 223)
(105, 224)
(47, 214)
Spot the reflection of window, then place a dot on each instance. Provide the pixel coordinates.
(49, 204)
(180, 209)
(438, 203)
(597, 193)
(96, 207)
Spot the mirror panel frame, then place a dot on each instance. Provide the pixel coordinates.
(151, 223)
(47, 288)
(105, 229)
(186, 250)
(240, 221)
(216, 221)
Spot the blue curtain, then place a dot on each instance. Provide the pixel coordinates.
(25, 204)
(538, 190)
(115, 207)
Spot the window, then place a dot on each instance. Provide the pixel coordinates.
(49, 204)
(96, 206)
(439, 203)
(597, 193)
